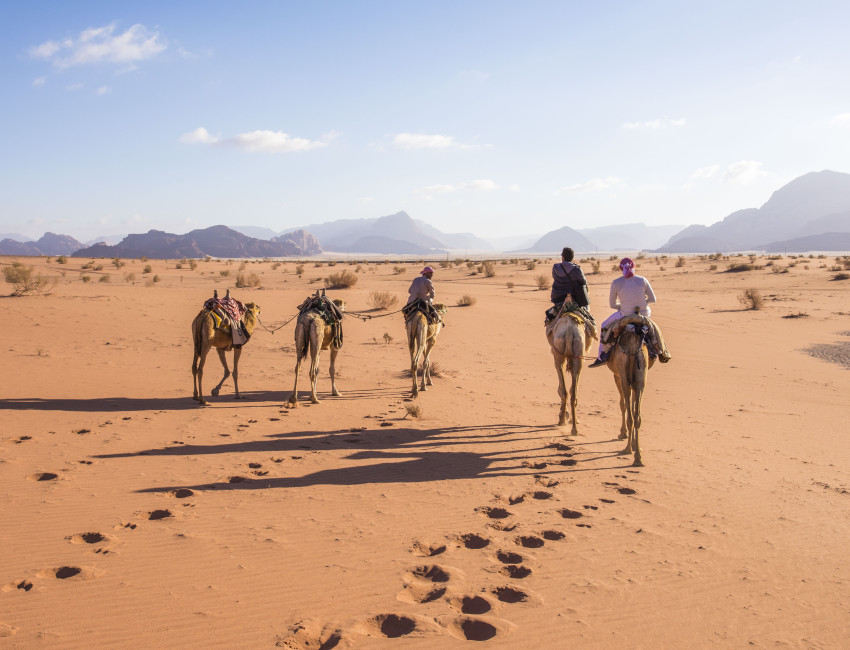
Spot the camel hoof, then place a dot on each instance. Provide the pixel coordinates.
(215, 392)
(562, 422)
(622, 436)
(195, 397)
(202, 402)
(336, 393)
(313, 400)
(625, 451)
(638, 463)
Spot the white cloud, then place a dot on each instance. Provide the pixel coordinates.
(744, 172)
(661, 123)
(422, 141)
(841, 120)
(259, 141)
(480, 185)
(706, 172)
(198, 136)
(593, 185)
(40, 81)
(103, 90)
(102, 45)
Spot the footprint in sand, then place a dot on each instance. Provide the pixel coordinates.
(87, 538)
(541, 494)
(255, 465)
(560, 446)
(308, 634)
(468, 628)
(494, 513)
(529, 541)
(17, 585)
(625, 490)
(181, 493)
(607, 500)
(22, 439)
(545, 481)
(43, 476)
(155, 515)
(509, 595)
(502, 526)
(507, 557)
(532, 465)
(553, 535)
(475, 605)
(590, 507)
(473, 541)
(7, 630)
(424, 584)
(518, 572)
(389, 626)
(516, 499)
(566, 513)
(421, 549)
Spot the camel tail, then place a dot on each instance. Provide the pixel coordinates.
(196, 336)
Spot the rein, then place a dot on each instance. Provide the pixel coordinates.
(272, 331)
(363, 316)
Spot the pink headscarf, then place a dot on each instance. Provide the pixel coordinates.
(627, 266)
(427, 269)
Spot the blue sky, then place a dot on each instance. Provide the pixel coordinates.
(496, 118)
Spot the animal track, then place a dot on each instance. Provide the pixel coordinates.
(43, 476)
(426, 550)
(236, 479)
(515, 571)
(541, 494)
(472, 629)
(26, 585)
(607, 500)
(591, 507)
(516, 499)
(181, 493)
(473, 541)
(553, 535)
(509, 595)
(391, 626)
(545, 482)
(255, 465)
(569, 462)
(560, 446)
(529, 541)
(153, 515)
(87, 538)
(65, 572)
(502, 526)
(470, 604)
(506, 557)
(494, 513)
(430, 572)
(531, 465)
(623, 490)
(566, 513)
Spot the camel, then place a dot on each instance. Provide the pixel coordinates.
(205, 336)
(570, 339)
(311, 331)
(629, 360)
(421, 337)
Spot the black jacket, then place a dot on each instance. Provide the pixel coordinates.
(568, 280)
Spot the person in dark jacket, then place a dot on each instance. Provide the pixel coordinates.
(567, 281)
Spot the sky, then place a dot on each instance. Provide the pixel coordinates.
(491, 117)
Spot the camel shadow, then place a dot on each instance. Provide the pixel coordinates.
(117, 404)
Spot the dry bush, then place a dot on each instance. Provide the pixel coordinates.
(799, 314)
(245, 280)
(155, 278)
(382, 300)
(751, 299)
(489, 269)
(680, 262)
(466, 300)
(193, 264)
(61, 260)
(413, 410)
(224, 273)
(387, 338)
(85, 278)
(530, 265)
(543, 282)
(712, 267)
(841, 276)
(341, 280)
(130, 277)
(148, 268)
(117, 263)
(509, 285)
(595, 264)
(398, 270)
(23, 280)
(435, 370)
(299, 270)
(740, 267)
(780, 269)
(105, 278)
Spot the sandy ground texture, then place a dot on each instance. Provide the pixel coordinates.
(133, 517)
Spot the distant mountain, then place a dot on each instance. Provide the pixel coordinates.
(811, 204)
(830, 241)
(49, 244)
(217, 241)
(454, 240)
(257, 232)
(105, 239)
(15, 236)
(376, 235)
(630, 236)
(556, 240)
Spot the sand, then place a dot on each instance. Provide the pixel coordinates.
(133, 517)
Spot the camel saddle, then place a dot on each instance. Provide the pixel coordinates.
(644, 327)
(229, 316)
(431, 311)
(580, 315)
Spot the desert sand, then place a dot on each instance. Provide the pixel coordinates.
(133, 517)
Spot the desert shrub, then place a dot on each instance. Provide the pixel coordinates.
(680, 262)
(243, 266)
(382, 300)
(23, 280)
(398, 270)
(466, 300)
(739, 267)
(275, 266)
(85, 278)
(595, 264)
(104, 278)
(712, 267)
(332, 263)
(751, 299)
(489, 269)
(130, 277)
(799, 314)
(341, 280)
(179, 265)
(224, 273)
(543, 282)
(207, 258)
(117, 263)
(780, 269)
(87, 265)
(143, 259)
(509, 285)
(155, 278)
(318, 264)
(841, 276)
(530, 265)
(387, 338)
(299, 270)
(61, 259)
(413, 410)
(244, 280)
(193, 264)
(148, 268)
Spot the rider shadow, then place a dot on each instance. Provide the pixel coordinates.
(421, 467)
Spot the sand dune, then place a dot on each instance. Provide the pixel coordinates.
(133, 517)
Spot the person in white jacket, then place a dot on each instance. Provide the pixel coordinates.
(629, 293)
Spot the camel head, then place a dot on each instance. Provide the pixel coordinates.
(440, 307)
(339, 302)
(252, 311)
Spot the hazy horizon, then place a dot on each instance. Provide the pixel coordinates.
(481, 117)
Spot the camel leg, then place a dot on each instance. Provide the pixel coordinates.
(560, 362)
(199, 375)
(299, 347)
(415, 343)
(315, 350)
(334, 391)
(237, 352)
(575, 372)
(426, 365)
(215, 391)
(629, 420)
(195, 357)
(638, 396)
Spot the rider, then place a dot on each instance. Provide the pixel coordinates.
(567, 280)
(629, 294)
(423, 289)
